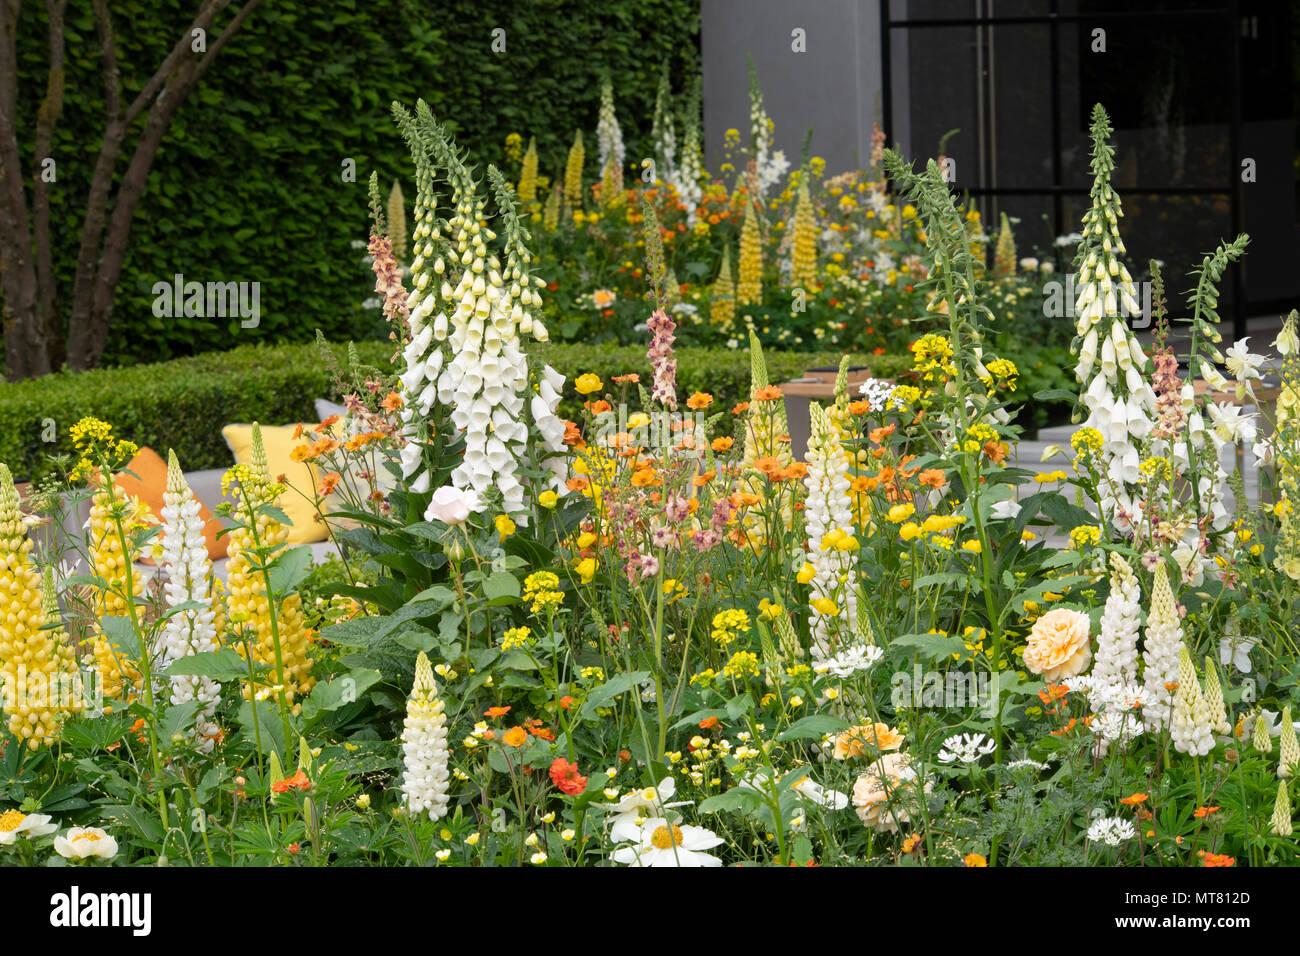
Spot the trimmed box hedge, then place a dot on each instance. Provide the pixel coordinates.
(183, 404)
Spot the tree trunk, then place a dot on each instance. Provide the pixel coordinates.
(34, 330)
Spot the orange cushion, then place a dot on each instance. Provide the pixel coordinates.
(149, 483)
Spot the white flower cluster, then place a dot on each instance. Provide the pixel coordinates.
(424, 746)
(852, 660)
(828, 508)
(1111, 831)
(609, 138)
(966, 748)
(686, 177)
(877, 393)
(187, 570)
(771, 166)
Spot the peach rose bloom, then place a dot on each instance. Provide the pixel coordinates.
(882, 793)
(1060, 644)
(854, 741)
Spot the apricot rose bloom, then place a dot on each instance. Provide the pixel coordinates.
(1060, 644)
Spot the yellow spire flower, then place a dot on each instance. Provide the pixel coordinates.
(749, 286)
(1214, 698)
(803, 257)
(247, 606)
(31, 664)
(573, 173)
(1280, 822)
(722, 300)
(1004, 255)
(110, 556)
(528, 174)
(551, 214)
(1289, 754)
(1262, 741)
(397, 221)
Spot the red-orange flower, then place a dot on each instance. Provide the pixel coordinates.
(392, 402)
(1217, 859)
(328, 484)
(1133, 799)
(708, 723)
(565, 776)
(298, 781)
(1203, 812)
(739, 408)
(933, 478)
(515, 737)
(699, 400)
(768, 393)
(496, 711)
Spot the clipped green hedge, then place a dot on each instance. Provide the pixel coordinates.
(248, 184)
(183, 404)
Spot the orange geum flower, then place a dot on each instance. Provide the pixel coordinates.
(740, 408)
(878, 435)
(297, 432)
(699, 481)
(864, 483)
(933, 478)
(974, 859)
(699, 400)
(631, 378)
(515, 737)
(578, 483)
(599, 407)
(768, 393)
(795, 471)
(858, 408)
(328, 484)
(298, 781)
(767, 465)
(496, 711)
(1202, 812)
(1217, 859)
(325, 425)
(1134, 799)
(722, 444)
(392, 402)
(644, 478)
(1066, 729)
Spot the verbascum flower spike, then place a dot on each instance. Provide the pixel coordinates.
(528, 174)
(832, 550)
(803, 256)
(188, 575)
(29, 662)
(424, 746)
(573, 173)
(1214, 698)
(1280, 821)
(722, 300)
(1190, 728)
(1117, 654)
(1261, 740)
(1289, 749)
(749, 285)
(1164, 640)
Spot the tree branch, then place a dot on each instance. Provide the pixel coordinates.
(46, 118)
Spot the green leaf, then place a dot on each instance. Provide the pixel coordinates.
(933, 646)
(611, 689)
(222, 666)
(737, 798)
(501, 588)
(119, 631)
(812, 727)
(339, 691)
(290, 569)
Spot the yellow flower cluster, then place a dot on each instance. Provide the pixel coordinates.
(247, 604)
(722, 301)
(727, 624)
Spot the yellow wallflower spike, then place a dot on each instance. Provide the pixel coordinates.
(722, 300)
(109, 562)
(528, 174)
(573, 173)
(803, 257)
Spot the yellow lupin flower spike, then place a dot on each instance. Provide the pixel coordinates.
(1280, 823)
(247, 604)
(109, 557)
(1214, 698)
(1289, 753)
(1262, 742)
(30, 660)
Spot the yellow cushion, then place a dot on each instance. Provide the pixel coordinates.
(300, 476)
